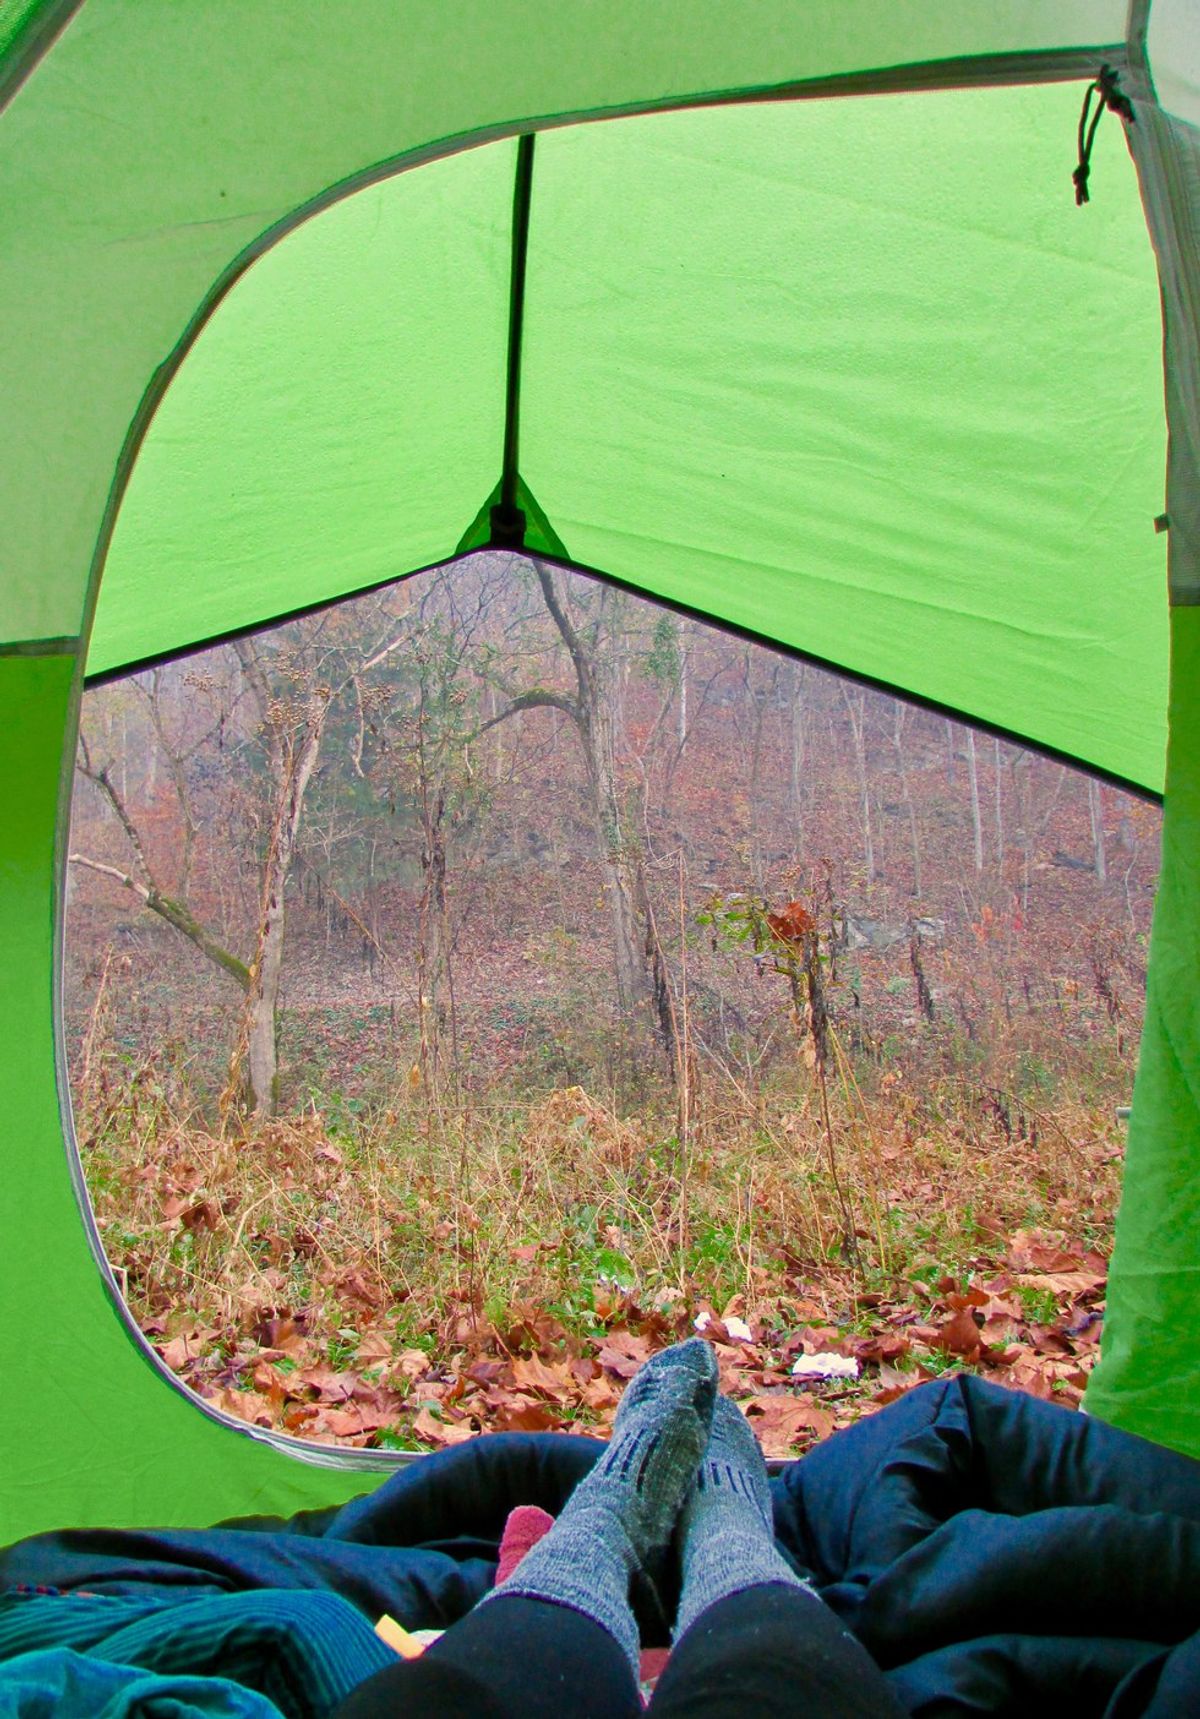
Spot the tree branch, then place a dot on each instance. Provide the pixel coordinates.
(103, 781)
(176, 913)
(535, 699)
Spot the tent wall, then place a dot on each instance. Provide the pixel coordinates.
(90, 1431)
(145, 161)
(1146, 1380)
(1147, 1376)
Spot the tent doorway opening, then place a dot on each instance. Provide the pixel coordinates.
(476, 982)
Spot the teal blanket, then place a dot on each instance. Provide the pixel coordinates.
(258, 1655)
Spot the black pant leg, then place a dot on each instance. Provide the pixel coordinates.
(775, 1651)
(511, 1659)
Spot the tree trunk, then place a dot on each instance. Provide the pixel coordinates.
(593, 709)
(794, 687)
(856, 709)
(433, 942)
(1096, 813)
(637, 957)
(898, 716)
(973, 785)
(758, 697)
(256, 1060)
(176, 913)
(619, 858)
(681, 725)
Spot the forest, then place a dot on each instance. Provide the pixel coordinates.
(473, 986)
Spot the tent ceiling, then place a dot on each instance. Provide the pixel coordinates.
(854, 374)
(133, 178)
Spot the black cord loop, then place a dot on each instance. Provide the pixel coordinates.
(1108, 94)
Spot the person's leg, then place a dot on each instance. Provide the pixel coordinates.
(514, 1659)
(750, 1636)
(774, 1650)
(559, 1637)
(620, 1519)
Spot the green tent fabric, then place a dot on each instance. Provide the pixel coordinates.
(832, 394)
(783, 314)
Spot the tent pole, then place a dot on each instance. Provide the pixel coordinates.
(507, 518)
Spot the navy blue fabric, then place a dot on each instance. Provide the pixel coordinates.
(992, 1551)
(422, 1547)
(998, 1554)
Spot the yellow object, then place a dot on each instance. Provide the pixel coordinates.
(398, 1639)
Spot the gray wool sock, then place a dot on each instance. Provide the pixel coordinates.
(727, 1528)
(621, 1516)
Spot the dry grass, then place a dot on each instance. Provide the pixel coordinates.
(350, 1282)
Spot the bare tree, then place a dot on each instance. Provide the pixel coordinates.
(427, 753)
(795, 675)
(141, 880)
(293, 688)
(1096, 815)
(973, 789)
(591, 643)
(900, 714)
(292, 727)
(855, 701)
(1037, 787)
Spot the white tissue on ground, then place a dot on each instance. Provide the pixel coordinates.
(825, 1366)
(735, 1327)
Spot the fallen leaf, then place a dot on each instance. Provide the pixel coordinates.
(438, 1432)
(180, 1350)
(531, 1373)
(357, 1418)
(778, 1421)
(1084, 1326)
(374, 1346)
(284, 1334)
(242, 1405)
(1049, 1341)
(622, 1353)
(204, 1215)
(1066, 1284)
(960, 1335)
(266, 1379)
(886, 1346)
(524, 1416)
(332, 1387)
(411, 1363)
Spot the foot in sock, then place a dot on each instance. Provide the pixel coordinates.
(621, 1517)
(727, 1529)
(659, 1436)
